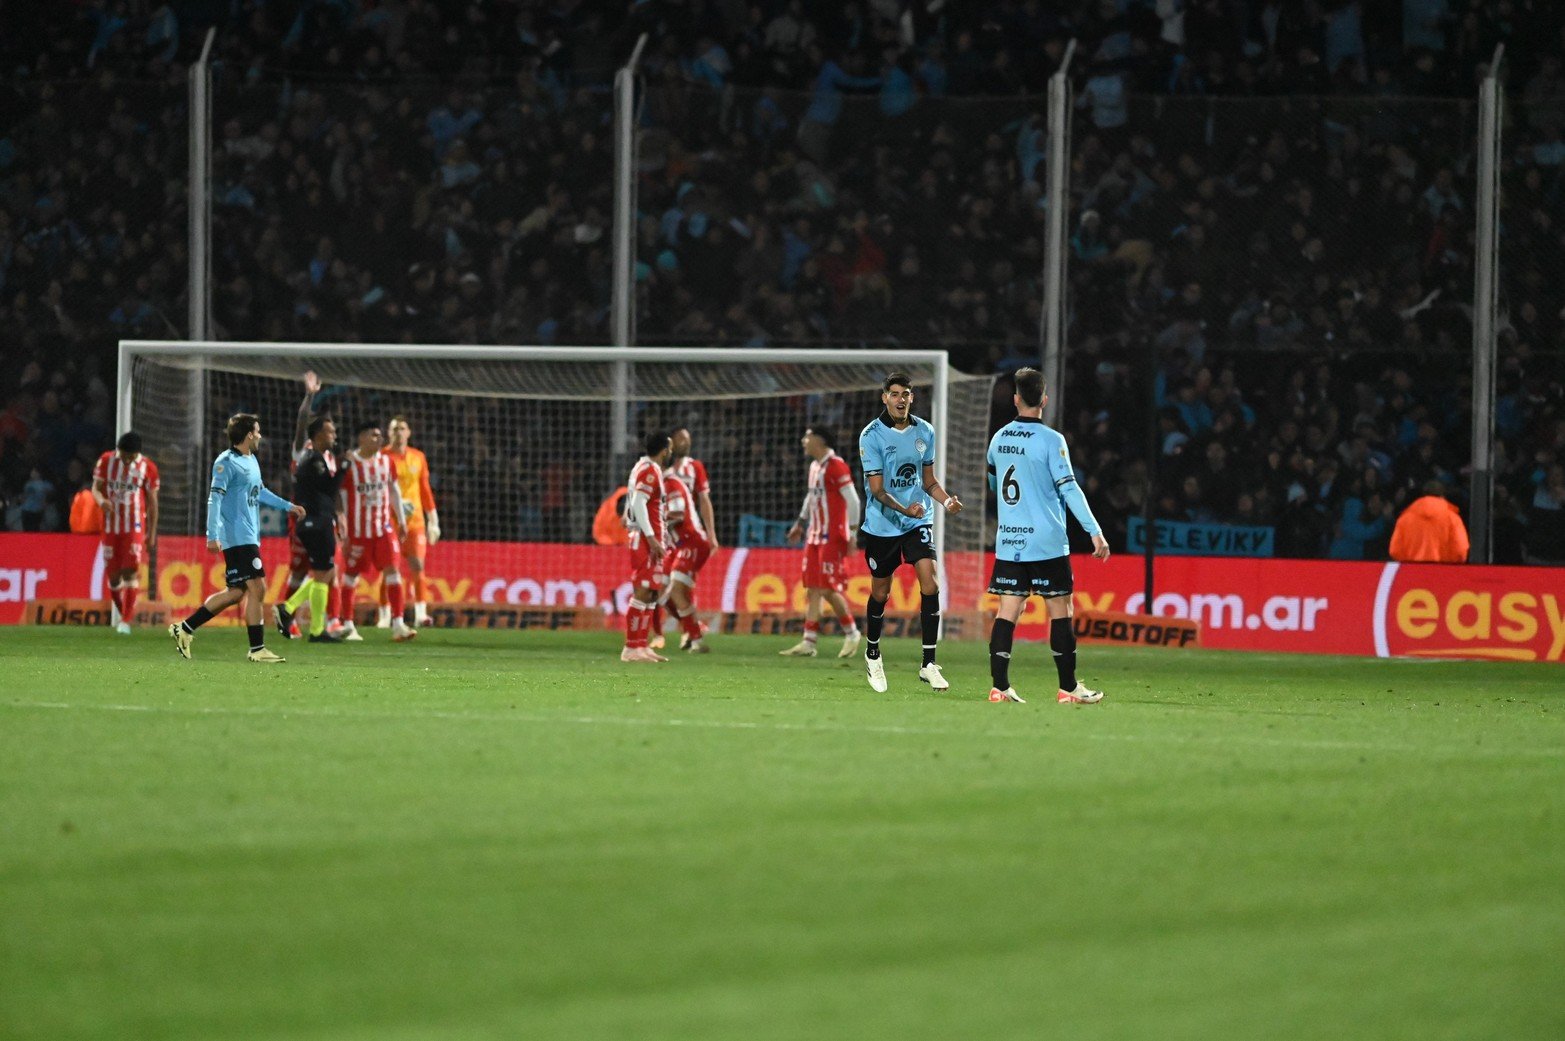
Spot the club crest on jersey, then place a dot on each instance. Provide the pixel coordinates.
(919, 444)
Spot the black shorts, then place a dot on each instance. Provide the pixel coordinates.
(1045, 578)
(242, 563)
(885, 553)
(318, 536)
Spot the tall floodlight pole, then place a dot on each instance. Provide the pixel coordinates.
(624, 301)
(199, 306)
(200, 194)
(1052, 322)
(1491, 97)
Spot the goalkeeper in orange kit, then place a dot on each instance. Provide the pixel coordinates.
(423, 523)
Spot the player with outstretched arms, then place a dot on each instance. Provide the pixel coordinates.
(372, 505)
(233, 527)
(299, 566)
(644, 517)
(897, 452)
(827, 521)
(423, 523)
(685, 546)
(125, 486)
(316, 482)
(1030, 466)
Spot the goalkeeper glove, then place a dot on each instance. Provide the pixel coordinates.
(433, 524)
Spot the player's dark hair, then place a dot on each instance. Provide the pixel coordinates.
(896, 379)
(824, 433)
(1029, 386)
(368, 424)
(316, 424)
(656, 442)
(239, 427)
(398, 418)
(129, 443)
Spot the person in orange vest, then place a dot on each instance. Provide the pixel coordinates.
(1430, 530)
(86, 514)
(608, 526)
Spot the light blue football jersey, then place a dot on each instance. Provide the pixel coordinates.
(1030, 468)
(233, 515)
(899, 457)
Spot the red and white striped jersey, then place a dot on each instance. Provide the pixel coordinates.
(124, 486)
(366, 490)
(824, 505)
(646, 477)
(692, 474)
(677, 500)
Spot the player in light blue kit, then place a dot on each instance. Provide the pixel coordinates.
(897, 452)
(1030, 467)
(233, 525)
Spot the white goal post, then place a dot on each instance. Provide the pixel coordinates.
(519, 407)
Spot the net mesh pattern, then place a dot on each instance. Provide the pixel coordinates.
(524, 450)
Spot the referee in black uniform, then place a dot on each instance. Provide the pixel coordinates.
(315, 488)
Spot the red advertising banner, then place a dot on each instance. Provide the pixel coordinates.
(1247, 603)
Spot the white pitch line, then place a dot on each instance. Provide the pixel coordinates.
(823, 728)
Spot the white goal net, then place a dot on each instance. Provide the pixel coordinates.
(525, 444)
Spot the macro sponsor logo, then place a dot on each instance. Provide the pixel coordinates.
(907, 475)
(19, 585)
(1441, 612)
(1136, 629)
(489, 616)
(551, 592)
(1279, 614)
(67, 612)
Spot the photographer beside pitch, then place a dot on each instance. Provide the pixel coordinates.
(1030, 466)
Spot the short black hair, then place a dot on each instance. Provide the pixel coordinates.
(656, 442)
(316, 424)
(368, 424)
(1029, 386)
(239, 426)
(896, 379)
(129, 442)
(824, 433)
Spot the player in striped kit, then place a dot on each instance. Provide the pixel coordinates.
(645, 519)
(698, 536)
(827, 522)
(686, 545)
(125, 486)
(372, 504)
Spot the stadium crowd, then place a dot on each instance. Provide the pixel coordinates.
(1271, 217)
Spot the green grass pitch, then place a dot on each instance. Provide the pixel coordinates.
(512, 835)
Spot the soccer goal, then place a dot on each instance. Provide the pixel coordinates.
(526, 443)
